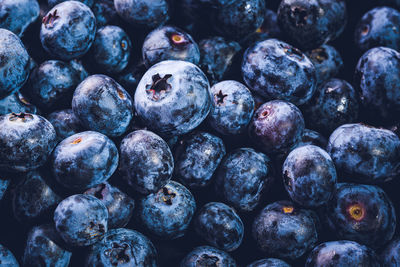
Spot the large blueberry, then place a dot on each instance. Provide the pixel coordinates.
(65, 123)
(208, 256)
(7, 258)
(16, 103)
(390, 255)
(270, 262)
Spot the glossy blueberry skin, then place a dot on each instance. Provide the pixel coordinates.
(173, 97)
(377, 79)
(334, 103)
(232, 107)
(119, 205)
(16, 103)
(243, 177)
(270, 262)
(219, 225)
(111, 49)
(342, 253)
(105, 12)
(365, 153)
(15, 63)
(65, 123)
(68, 30)
(375, 222)
(81, 220)
(7, 258)
(379, 27)
(52, 3)
(276, 126)
(18, 155)
(123, 247)
(17, 15)
(84, 160)
(277, 70)
(168, 212)
(311, 137)
(390, 256)
(103, 105)
(45, 248)
(282, 230)
(52, 83)
(146, 161)
(197, 157)
(4, 183)
(169, 43)
(309, 24)
(208, 256)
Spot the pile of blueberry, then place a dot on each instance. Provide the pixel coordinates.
(199, 133)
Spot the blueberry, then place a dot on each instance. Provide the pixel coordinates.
(282, 230)
(146, 161)
(219, 225)
(270, 262)
(4, 184)
(342, 253)
(364, 153)
(102, 105)
(84, 160)
(16, 103)
(52, 3)
(311, 137)
(68, 30)
(81, 220)
(208, 256)
(276, 126)
(26, 141)
(15, 63)
(168, 212)
(390, 255)
(44, 247)
(197, 156)
(7, 258)
(310, 24)
(232, 109)
(169, 43)
(362, 213)
(277, 70)
(173, 97)
(119, 205)
(105, 12)
(65, 123)
(243, 177)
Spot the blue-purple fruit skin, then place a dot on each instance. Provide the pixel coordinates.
(197, 157)
(168, 212)
(364, 153)
(18, 155)
(270, 262)
(123, 247)
(208, 256)
(146, 161)
(84, 160)
(311, 137)
(7, 258)
(81, 220)
(243, 177)
(390, 255)
(105, 12)
(16, 103)
(65, 123)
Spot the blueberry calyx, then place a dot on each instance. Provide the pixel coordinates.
(22, 116)
(206, 260)
(167, 196)
(49, 20)
(299, 16)
(220, 97)
(118, 253)
(160, 87)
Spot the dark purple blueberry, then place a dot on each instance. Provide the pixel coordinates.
(65, 123)
(208, 256)
(311, 137)
(7, 258)
(16, 103)
(270, 262)
(390, 256)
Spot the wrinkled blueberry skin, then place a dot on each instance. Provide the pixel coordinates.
(17, 15)
(311, 137)
(219, 225)
(375, 223)
(52, 84)
(208, 256)
(65, 123)
(103, 105)
(15, 63)
(84, 160)
(168, 212)
(268, 29)
(16, 153)
(16, 103)
(309, 176)
(123, 247)
(286, 234)
(44, 247)
(310, 24)
(143, 13)
(81, 220)
(119, 205)
(232, 107)
(146, 161)
(52, 3)
(342, 253)
(111, 49)
(270, 262)
(277, 70)
(390, 255)
(33, 198)
(130, 77)
(173, 97)
(105, 12)
(365, 153)
(3, 187)
(7, 258)
(334, 103)
(276, 126)
(243, 177)
(68, 30)
(379, 27)
(197, 156)
(327, 61)
(169, 43)
(377, 77)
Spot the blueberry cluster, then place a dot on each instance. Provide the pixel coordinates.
(199, 133)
